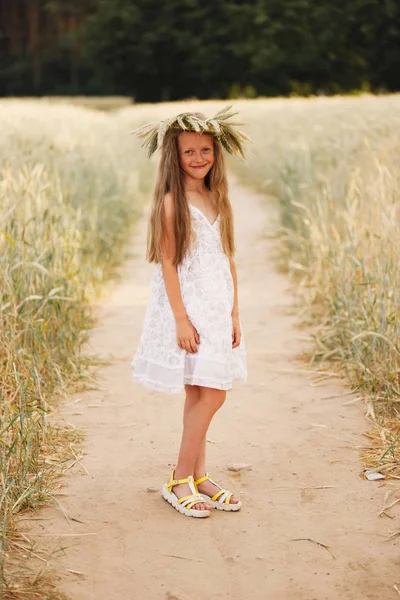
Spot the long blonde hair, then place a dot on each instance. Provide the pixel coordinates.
(170, 179)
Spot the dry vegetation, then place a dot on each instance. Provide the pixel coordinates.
(69, 183)
(332, 164)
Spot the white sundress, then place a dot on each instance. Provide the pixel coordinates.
(207, 293)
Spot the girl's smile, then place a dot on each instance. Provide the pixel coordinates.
(196, 153)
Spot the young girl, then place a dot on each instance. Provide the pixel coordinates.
(191, 339)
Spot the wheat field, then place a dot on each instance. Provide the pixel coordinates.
(71, 183)
(331, 164)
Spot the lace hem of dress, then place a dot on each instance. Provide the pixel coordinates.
(192, 371)
(159, 387)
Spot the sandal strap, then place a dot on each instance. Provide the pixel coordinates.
(225, 497)
(173, 481)
(228, 498)
(205, 478)
(191, 496)
(222, 496)
(191, 504)
(217, 495)
(189, 501)
(178, 481)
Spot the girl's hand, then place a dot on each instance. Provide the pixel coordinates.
(187, 336)
(236, 332)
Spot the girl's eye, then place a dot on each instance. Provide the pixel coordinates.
(187, 152)
(206, 149)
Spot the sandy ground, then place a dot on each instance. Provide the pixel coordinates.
(301, 441)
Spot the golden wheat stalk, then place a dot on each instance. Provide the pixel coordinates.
(220, 126)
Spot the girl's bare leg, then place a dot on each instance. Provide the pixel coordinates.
(200, 406)
(193, 396)
(200, 468)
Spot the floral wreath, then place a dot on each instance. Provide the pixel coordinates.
(219, 125)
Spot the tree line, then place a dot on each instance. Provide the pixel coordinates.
(174, 49)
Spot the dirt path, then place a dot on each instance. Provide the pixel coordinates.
(131, 545)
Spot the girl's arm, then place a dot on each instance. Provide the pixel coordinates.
(186, 335)
(236, 331)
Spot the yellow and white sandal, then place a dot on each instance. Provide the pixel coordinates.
(184, 505)
(220, 500)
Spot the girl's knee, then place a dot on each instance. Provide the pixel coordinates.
(192, 393)
(213, 398)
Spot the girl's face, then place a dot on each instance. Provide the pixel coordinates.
(196, 153)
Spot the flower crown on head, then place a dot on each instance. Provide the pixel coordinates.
(219, 125)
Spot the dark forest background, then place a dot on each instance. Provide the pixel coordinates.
(154, 50)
